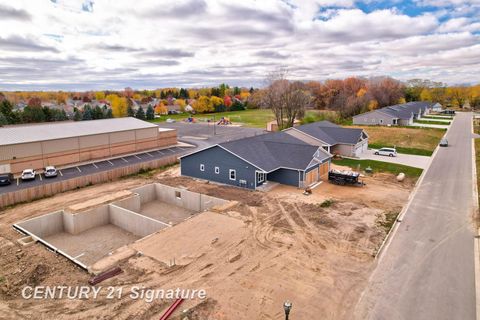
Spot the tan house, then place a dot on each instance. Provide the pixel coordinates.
(348, 142)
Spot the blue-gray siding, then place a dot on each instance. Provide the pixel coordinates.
(224, 160)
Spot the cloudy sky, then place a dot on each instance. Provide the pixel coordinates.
(111, 44)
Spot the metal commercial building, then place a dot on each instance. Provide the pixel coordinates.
(60, 144)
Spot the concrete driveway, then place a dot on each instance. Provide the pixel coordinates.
(405, 159)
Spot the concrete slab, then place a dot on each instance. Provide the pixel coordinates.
(93, 244)
(165, 212)
(401, 158)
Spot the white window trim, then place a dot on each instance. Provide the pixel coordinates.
(260, 177)
(202, 167)
(217, 170)
(230, 174)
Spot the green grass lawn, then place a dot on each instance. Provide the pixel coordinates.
(255, 118)
(379, 166)
(410, 140)
(432, 122)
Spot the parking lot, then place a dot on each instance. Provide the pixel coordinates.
(94, 167)
(203, 135)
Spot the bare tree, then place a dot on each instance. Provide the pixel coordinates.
(286, 99)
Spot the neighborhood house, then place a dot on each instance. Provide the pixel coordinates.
(400, 114)
(251, 162)
(347, 142)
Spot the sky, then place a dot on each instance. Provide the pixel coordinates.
(112, 44)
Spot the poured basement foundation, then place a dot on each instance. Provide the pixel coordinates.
(87, 232)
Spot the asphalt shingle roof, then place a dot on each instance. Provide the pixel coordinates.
(331, 133)
(404, 110)
(274, 150)
(59, 130)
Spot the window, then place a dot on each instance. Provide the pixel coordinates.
(217, 170)
(261, 177)
(232, 174)
(202, 167)
(178, 195)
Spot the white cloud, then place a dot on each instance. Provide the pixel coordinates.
(68, 44)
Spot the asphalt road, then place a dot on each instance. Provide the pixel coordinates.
(427, 271)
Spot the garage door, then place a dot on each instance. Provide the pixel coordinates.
(311, 177)
(360, 149)
(324, 171)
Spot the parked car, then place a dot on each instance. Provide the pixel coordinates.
(50, 172)
(28, 174)
(444, 143)
(391, 152)
(6, 179)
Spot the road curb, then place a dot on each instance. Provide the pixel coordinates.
(388, 239)
(476, 244)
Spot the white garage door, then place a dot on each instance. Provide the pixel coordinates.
(359, 149)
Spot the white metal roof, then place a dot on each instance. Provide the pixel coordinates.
(61, 130)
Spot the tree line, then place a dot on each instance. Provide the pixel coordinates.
(351, 96)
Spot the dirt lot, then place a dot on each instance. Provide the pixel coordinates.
(272, 247)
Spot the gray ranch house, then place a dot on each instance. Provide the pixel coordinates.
(348, 142)
(399, 114)
(253, 161)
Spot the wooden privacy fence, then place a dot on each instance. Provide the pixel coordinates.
(49, 189)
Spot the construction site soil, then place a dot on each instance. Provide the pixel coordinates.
(314, 250)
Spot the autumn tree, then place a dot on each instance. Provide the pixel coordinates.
(99, 95)
(286, 99)
(203, 104)
(161, 109)
(386, 91)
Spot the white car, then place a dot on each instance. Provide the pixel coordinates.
(28, 174)
(391, 152)
(50, 172)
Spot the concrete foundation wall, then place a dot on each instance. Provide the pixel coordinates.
(132, 222)
(131, 203)
(45, 225)
(187, 199)
(147, 193)
(80, 222)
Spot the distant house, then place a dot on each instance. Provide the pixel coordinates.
(399, 114)
(251, 162)
(348, 142)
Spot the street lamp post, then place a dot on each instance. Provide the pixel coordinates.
(214, 129)
(287, 306)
